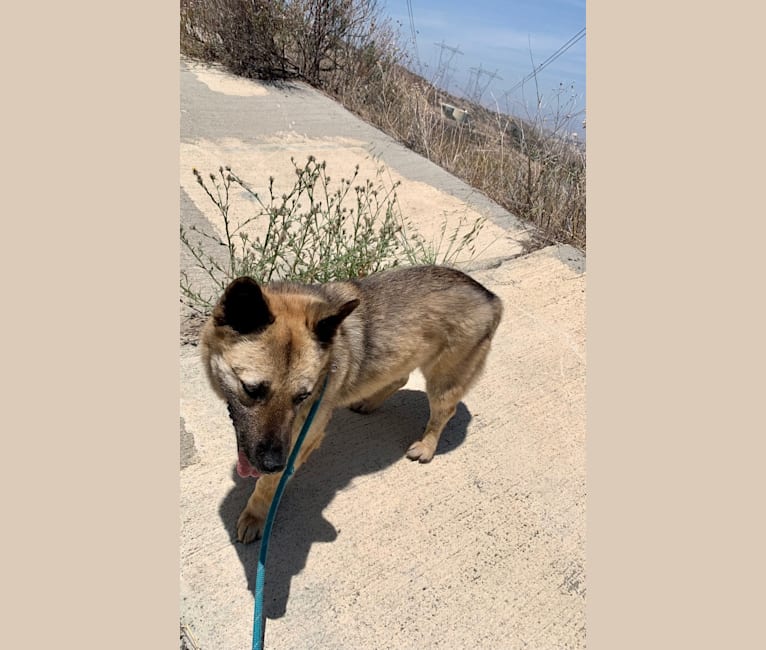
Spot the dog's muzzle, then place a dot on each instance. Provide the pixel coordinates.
(271, 456)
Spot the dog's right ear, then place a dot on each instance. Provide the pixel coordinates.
(326, 328)
(243, 307)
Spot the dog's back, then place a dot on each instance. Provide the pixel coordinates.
(426, 317)
(428, 298)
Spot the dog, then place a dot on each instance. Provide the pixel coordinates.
(267, 350)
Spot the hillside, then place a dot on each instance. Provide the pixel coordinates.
(349, 52)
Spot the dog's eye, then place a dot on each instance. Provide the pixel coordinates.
(257, 392)
(301, 397)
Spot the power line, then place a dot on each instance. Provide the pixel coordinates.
(414, 32)
(576, 38)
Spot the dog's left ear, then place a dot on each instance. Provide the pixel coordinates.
(327, 327)
(243, 307)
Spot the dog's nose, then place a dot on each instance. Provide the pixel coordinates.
(271, 456)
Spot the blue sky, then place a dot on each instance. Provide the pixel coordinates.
(497, 36)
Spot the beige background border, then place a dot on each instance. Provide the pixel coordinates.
(674, 275)
(90, 257)
(90, 322)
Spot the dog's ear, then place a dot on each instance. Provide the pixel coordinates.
(326, 327)
(243, 307)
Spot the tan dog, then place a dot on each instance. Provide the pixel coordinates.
(267, 350)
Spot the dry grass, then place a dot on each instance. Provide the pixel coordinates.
(347, 50)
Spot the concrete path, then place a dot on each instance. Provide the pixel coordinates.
(482, 548)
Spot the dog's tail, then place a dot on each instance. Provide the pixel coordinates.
(497, 313)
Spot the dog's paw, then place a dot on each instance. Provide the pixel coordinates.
(421, 451)
(249, 527)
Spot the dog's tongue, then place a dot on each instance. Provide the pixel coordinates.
(244, 468)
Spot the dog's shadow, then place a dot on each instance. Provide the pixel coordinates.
(353, 446)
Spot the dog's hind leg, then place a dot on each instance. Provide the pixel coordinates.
(447, 381)
(374, 401)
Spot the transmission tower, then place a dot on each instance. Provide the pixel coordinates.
(443, 69)
(491, 76)
(474, 89)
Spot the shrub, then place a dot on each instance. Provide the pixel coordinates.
(316, 232)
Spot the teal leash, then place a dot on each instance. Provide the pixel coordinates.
(259, 623)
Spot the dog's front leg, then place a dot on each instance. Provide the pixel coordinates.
(251, 521)
(253, 518)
